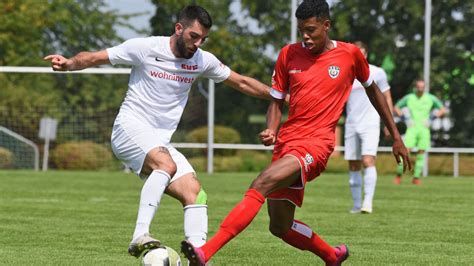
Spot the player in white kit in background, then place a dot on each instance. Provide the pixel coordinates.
(361, 137)
(163, 71)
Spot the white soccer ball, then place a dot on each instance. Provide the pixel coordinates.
(162, 256)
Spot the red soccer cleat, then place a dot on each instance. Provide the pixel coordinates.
(342, 252)
(195, 255)
(416, 181)
(397, 180)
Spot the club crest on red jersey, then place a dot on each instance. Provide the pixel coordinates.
(333, 71)
(307, 159)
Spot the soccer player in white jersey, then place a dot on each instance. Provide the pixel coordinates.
(361, 137)
(163, 70)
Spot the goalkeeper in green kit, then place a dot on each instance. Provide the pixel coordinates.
(420, 104)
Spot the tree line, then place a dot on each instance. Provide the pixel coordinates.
(246, 36)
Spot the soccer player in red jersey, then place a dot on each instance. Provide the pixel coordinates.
(318, 74)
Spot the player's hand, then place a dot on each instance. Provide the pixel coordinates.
(399, 150)
(59, 62)
(267, 137)
(438, 114)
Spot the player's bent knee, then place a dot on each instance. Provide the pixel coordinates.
(264, 182)
(170, 168)
(167, 165)
(278, 230)
(368, 162)
(159, 158)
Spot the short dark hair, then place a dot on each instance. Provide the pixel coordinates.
(313, 8)
(190, 13)
(362, 45)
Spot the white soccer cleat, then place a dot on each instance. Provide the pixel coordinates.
(142, 243)
(366, 209)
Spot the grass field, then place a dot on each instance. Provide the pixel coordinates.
(86, 218)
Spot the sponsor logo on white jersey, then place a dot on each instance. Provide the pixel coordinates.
(189, 67)
(171, 76)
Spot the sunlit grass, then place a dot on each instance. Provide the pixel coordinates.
(87, 218)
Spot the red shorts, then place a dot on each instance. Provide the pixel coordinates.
(312, 159)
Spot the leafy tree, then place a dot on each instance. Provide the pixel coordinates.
(31, 29)
(394, 31)
(242, 48)
(396, 28)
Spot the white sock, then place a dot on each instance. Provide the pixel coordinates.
(150, 197)
(355, 182)
(195, 224)
(370, 179)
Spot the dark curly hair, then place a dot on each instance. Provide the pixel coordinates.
(313, 8)
(191, 13)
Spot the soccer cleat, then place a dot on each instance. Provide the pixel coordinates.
(397, 180)
(416, 181)
(354, 210)
(141, 244)
(342, 252)
(195, 255)
(366, 210)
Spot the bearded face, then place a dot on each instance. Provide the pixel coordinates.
(189, 39)
(183, 51)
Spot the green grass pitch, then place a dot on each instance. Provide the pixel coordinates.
(87, 218)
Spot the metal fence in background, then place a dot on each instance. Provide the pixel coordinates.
(91, 128)
(454, 151)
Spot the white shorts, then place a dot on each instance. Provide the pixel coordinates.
(132, 140)
(360, 140)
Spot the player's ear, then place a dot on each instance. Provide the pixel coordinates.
(178, 28)
(327, 24)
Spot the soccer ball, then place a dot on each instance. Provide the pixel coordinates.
(162, 256)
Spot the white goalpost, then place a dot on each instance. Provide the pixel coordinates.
(21, 156)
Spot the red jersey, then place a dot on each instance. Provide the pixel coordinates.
(319, 86)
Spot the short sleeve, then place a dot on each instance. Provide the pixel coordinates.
(131, 52)
(436, 102)
(362, 71)
(381, 80)
(280, 76)
(402, 102)
(214, 69)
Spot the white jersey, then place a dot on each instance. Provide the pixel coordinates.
(359, 109)
(160, 82)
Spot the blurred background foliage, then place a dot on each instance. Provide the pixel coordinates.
(246, 36)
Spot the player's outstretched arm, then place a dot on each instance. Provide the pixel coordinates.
(268, 136)
(388, 97)
(248, 85)
(378, 101)
(80, 61)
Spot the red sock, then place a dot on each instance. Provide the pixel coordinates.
(302, 237)
(235, 222)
